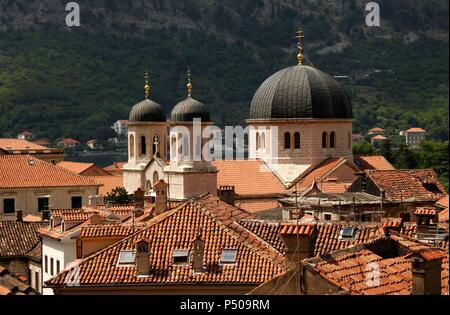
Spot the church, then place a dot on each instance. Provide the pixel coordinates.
(300, 140)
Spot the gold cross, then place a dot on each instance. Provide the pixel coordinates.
(299, 36)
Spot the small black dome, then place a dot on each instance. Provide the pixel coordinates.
(189, 109)
(146, 111)
(300, 92)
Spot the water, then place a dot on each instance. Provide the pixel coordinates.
(99, 159)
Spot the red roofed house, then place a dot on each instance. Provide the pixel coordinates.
(24, 147)
(414, 136)
(25, 135)
(68, 143)
(196, 248)
(33, 185)
(377, 139)
(375, 131)
(84, 169)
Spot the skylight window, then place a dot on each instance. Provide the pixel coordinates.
(228, 256)
(347, 233)
(126, 257)
(180, 256)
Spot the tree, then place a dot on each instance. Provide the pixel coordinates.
(386, 150)
(119, 196)
(365, 148)
(404, 158)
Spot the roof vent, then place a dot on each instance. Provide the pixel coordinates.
(31, 162)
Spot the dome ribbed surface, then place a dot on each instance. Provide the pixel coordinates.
(189, 109)
(147, 111)
(300, 92)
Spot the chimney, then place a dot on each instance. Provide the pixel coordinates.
(426, 273)
(160, 189)
(45, 215)
(143, 258)
(19, 216)
(139, 198)
(227, 194)
(197, 254)
(299, 242)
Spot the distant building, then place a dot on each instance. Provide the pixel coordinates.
(414, 136)
(24, 147)
(376, 131)
(92, 144)
(68, 143)
(121, 127)
(357, 138)
(84, 169)
(377, 139)
(25, 135)
(33, 186)
(42, 142)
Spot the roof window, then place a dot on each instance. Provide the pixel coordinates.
(180, 256)
(228, 256)
(126, 257)
(347, 233)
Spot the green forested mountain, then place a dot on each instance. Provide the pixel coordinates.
(59, 81)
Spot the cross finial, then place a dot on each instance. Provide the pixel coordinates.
(299, 36)
(189, 85)
(147, 84)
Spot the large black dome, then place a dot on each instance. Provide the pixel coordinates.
(147, 111)
(300, 92)
(189, 109)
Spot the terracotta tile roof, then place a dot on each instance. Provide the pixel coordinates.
(17, 144)
(348, 269)
(333, 187)
(26, 133)
(393, 222)
(443, 216)
(76, 216)
(41, 142)
(256, 205)
(443, 202)
(376, 129)
(415, 129)
(326, 235)
(57, 213)
(69, 141)
(238, 172)
(11, 284)
(320, 171)
(115, 168)
(256, 260)
(425, 211)
(106, 230)
(75, 167)
(378, 137)
(374, 162)
(25, 171)
(297, 229)
(109, 183)
(408, 185)
(18, 238)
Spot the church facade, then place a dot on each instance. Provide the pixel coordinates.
(299, 118)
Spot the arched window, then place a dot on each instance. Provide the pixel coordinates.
(332, 139)
(258, 141)
(297, 140)
(155, 177)
(131, 146)
(148, 185)
(324, 139)
(263, 140)
(143, 146)
(287, 140)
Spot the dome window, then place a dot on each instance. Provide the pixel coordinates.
(324, 139)
(332, 139)
(297, 140)
(287, 140)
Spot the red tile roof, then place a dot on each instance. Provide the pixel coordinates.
(69, 141)
(75, 167)
(256, 205)
(376, 129)
(25, 171)
(425, 211)
(11, 284)
(348, 268)
(443, 202)
(443, 216)
(415, 129)
(377, 162)
(408, 185)
(378, 137)
(17, 144)
(115, 168)
(238, 172)
(18, 238)
(297, 229)
(109, 183)
(108, 230)
(256, 260)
